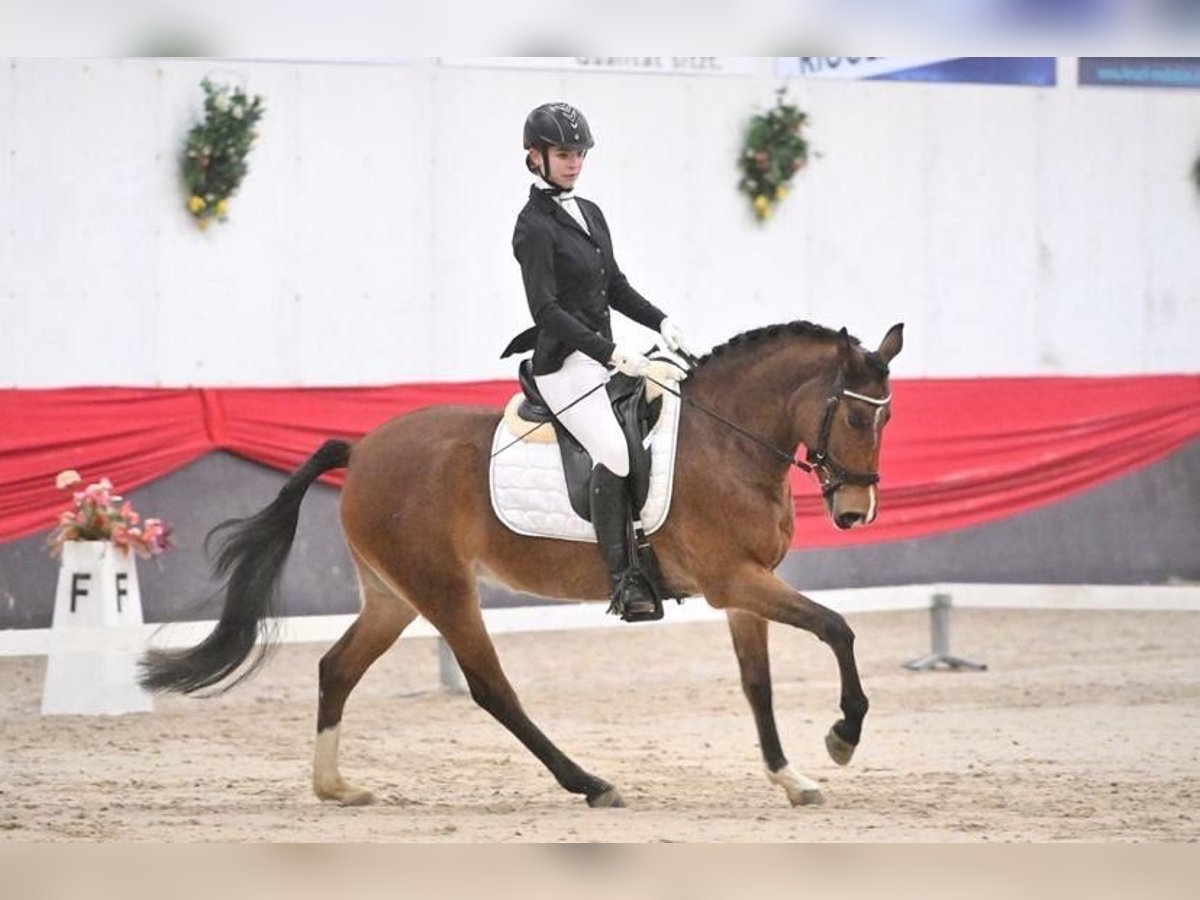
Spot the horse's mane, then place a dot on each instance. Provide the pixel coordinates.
(797, 328)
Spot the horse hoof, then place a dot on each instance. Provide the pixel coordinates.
(806, 798)
(800, 790)
(357, 797)
(840, 751)
(345, 795)
(610, 799)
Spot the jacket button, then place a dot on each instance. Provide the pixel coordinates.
(597, 249)
(602, 270)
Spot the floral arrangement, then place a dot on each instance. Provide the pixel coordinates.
(214, 163)
(97, 514)
(774, 151)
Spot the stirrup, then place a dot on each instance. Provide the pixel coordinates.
(642, 611)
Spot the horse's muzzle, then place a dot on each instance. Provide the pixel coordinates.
(848, 520)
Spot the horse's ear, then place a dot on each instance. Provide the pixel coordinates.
(892, 343)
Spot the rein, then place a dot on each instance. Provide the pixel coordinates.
(817, 458)
(762, 442)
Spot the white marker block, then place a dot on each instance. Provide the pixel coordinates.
(95, 637)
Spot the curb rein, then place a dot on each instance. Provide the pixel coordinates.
(817, 459)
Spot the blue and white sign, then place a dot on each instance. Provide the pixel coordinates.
(1040, 71)
(1140, 71)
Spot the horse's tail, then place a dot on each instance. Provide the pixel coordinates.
(250, 559)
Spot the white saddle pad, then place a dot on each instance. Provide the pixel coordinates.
(529, 489)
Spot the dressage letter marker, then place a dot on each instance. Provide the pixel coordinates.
(79, 586)
(87, 673)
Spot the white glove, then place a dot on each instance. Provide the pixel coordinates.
(672, 335)
(629, 362)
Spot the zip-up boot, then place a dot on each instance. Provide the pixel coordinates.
(632, 597)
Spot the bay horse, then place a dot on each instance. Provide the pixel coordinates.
(417, 518)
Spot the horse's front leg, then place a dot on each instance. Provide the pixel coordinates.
(758, 591)
(750, 644)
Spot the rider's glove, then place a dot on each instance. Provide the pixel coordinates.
(638, 366)
(672, 336)
(629, 362)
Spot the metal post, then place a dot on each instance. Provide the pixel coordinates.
(939, 640)
(449, 674)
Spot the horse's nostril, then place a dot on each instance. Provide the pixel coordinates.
(849, 520)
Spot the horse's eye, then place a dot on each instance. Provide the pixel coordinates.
(859, 420)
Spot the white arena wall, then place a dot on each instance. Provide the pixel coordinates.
(1016, 230)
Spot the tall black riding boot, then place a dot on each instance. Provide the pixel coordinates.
(632, 597)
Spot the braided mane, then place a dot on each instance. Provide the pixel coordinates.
(801, 328)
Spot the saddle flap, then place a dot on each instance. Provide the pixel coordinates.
(528, 488)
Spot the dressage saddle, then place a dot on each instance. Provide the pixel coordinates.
(637, 416)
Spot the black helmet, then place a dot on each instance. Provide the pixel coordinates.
(557, 125)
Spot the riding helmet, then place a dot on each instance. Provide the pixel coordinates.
(557, 125)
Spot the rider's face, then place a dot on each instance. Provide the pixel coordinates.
(565, 166)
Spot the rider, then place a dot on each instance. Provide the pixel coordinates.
(571, 280)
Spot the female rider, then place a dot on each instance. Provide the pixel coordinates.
(571, 281)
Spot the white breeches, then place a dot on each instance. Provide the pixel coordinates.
(591, 420)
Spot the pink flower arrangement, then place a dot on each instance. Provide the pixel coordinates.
(97, 514)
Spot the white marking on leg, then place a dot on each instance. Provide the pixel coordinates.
(873, 507)
(327, 782)
(801, 790)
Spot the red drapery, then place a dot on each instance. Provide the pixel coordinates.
(958, 452)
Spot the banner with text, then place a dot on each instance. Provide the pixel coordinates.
(1040, 71)
(1140, 71)
(660, 65)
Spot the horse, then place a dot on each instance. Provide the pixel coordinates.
(416, 516)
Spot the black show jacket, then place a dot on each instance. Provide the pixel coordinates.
(571, 279)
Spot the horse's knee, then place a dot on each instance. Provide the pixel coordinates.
(835, 631)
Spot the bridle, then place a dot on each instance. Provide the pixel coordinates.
(831, 474)
(818, 458)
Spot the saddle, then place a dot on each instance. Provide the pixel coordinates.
(637, 416)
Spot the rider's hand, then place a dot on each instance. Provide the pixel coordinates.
(672, 336)
(629, 362)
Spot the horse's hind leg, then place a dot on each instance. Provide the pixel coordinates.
(749, 634)
(384, 615)
(461, 624)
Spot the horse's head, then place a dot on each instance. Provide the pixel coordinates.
(844, 452)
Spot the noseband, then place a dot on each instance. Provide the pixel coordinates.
(818, 456)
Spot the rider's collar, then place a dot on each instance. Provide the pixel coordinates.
(553, 190)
